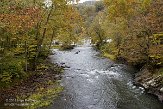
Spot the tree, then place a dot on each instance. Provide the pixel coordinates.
(27, 30)
(134, 26)
(99, 5)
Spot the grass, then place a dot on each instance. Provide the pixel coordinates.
(56, 47)
(39, 89)
(44, 97)
(161, 71)
(110, 56)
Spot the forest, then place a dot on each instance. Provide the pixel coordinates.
(135, 28)
(28, 29)
(129, 31)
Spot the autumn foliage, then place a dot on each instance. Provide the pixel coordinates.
(135, 28)
(27, 30)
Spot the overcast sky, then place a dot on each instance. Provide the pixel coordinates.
(81, 1)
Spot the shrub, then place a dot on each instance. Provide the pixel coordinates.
(11, 69)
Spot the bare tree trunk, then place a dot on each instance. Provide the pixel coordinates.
(51, 39)
(40, 42)
(26, 57)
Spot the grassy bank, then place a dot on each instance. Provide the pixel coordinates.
(37, 90)
(110, 56)
(149, 76)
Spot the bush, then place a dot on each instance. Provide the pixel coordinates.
(11, 69)
(67, 47)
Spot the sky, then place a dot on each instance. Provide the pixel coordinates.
(81, 1)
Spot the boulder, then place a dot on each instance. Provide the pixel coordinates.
(161, 90)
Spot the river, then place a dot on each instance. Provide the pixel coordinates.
(93, 82)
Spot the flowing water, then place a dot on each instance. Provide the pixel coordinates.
(93, 82)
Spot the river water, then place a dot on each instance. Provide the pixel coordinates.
(93, 82)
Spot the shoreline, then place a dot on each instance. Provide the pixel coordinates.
(146, 77)
(151, 82)
(37, 90)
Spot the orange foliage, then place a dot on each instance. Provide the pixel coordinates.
(21, 19)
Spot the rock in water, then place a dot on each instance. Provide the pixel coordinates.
(77, 52)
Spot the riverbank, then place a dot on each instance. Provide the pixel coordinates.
(151, 79)
(91, 81)
(37, 90)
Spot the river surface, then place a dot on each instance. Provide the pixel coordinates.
(93, 82)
